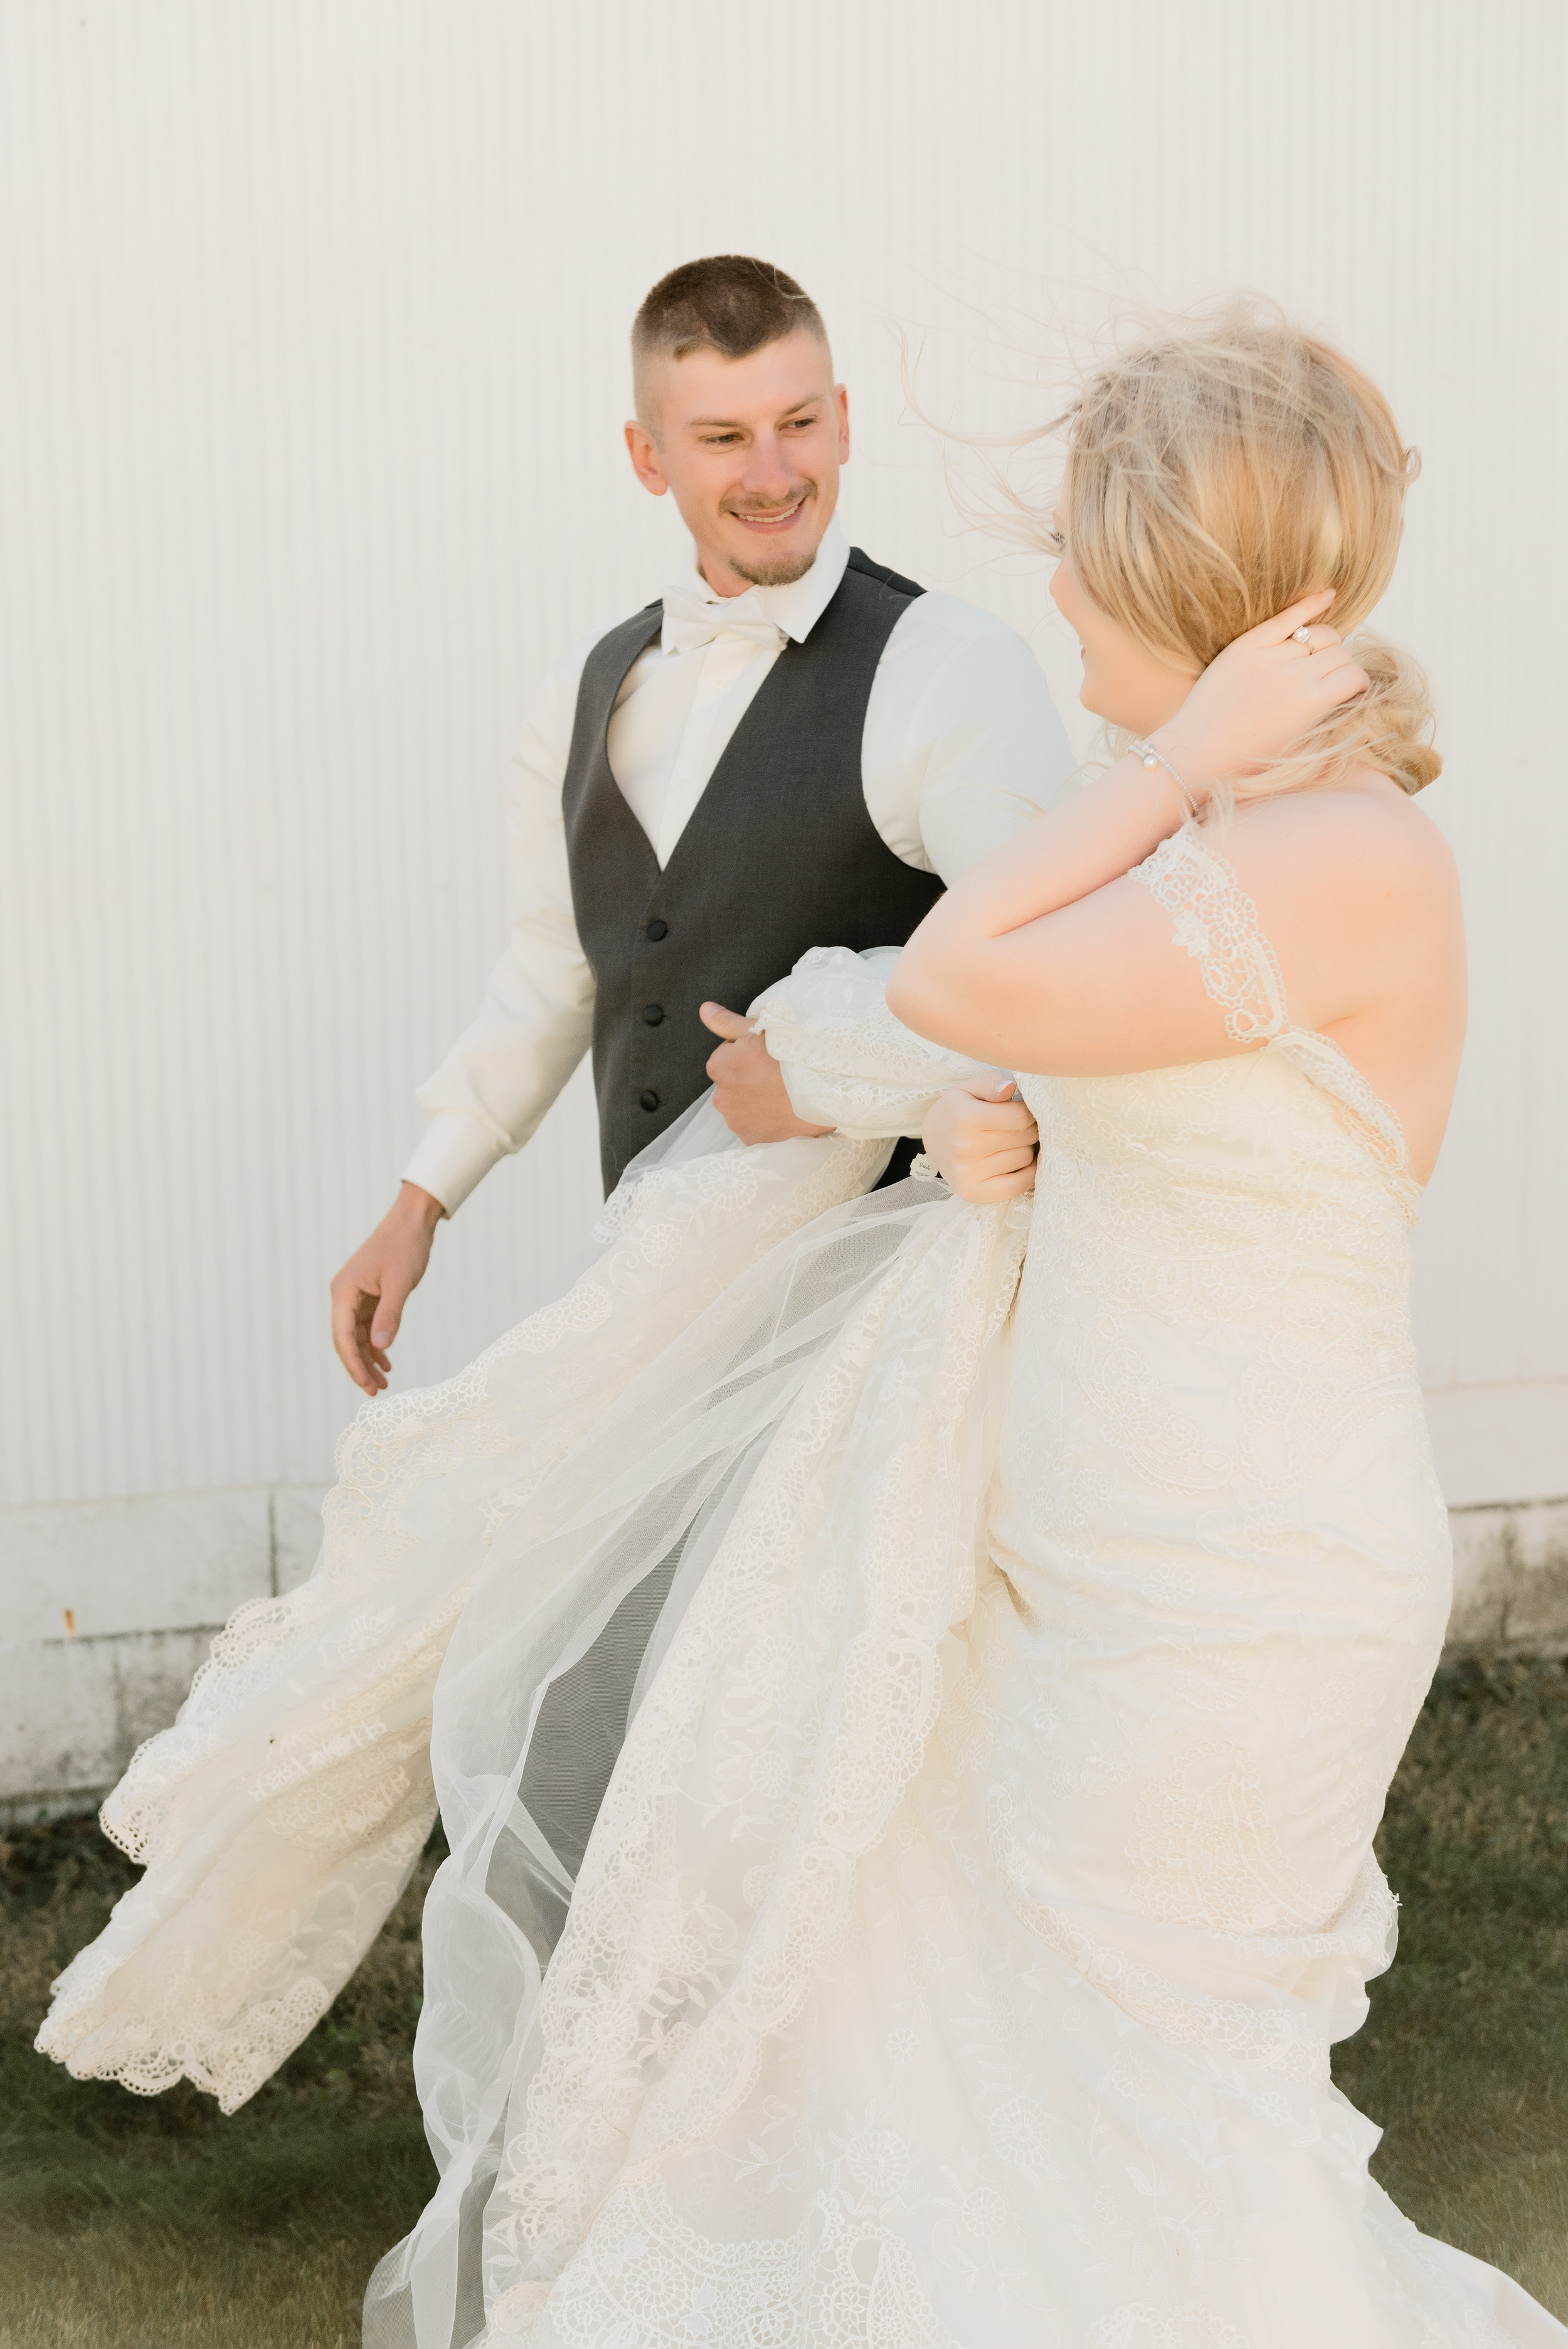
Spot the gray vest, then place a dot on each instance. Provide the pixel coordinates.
(779, 855)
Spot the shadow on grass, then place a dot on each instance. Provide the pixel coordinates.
(153, 2223)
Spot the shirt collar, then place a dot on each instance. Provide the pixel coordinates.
(797, 608)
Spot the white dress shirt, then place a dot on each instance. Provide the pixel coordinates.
(961, 747)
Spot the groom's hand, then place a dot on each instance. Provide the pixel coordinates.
(370, 1292)
(747, 1082)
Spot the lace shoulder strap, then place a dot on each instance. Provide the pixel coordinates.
(1217, 923)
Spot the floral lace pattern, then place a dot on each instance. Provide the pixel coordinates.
(853, 2281)
(1217, 924)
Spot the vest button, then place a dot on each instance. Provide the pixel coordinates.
(649, 1101)
(653, 1013)
(657, 930)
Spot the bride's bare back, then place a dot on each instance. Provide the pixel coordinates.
(1358, 892)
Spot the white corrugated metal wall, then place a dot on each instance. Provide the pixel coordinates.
(313, 316)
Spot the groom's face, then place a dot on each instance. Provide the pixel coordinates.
(750, 450)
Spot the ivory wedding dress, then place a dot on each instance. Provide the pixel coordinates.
(987, 1869)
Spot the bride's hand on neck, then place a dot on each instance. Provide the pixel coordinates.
(1262, 693)
(1256, 697)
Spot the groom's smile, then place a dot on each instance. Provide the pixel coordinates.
(773, 518)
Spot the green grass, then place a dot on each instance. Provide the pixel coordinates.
(153, 2223)
(1464, 2057)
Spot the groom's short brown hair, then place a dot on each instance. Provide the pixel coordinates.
(728, 303)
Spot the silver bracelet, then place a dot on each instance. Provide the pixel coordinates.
(1152, 758)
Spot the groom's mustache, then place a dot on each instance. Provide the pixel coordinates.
(760, 506)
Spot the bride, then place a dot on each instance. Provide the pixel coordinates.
(987, 1869)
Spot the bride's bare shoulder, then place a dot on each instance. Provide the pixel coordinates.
(1364, 837)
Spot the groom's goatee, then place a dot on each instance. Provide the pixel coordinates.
(781, 574)
(784, 568)
(781, 571)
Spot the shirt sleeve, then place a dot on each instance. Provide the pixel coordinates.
(963, 748)
(533, 1025)
(963, 743)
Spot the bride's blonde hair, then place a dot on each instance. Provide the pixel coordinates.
(1220, 470)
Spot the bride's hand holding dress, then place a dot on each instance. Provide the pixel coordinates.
(981, 1140)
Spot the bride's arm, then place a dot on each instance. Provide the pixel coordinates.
(1252, 701)
(1046, 956)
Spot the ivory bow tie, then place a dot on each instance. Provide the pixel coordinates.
(691, 621)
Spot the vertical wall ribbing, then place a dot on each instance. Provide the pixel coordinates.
(312, 319)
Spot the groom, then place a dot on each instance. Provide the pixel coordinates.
(793, 747)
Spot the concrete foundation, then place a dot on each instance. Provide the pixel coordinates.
(109, 1607)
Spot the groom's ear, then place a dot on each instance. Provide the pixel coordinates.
(644, 451)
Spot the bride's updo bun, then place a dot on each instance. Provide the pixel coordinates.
(1218, 471)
